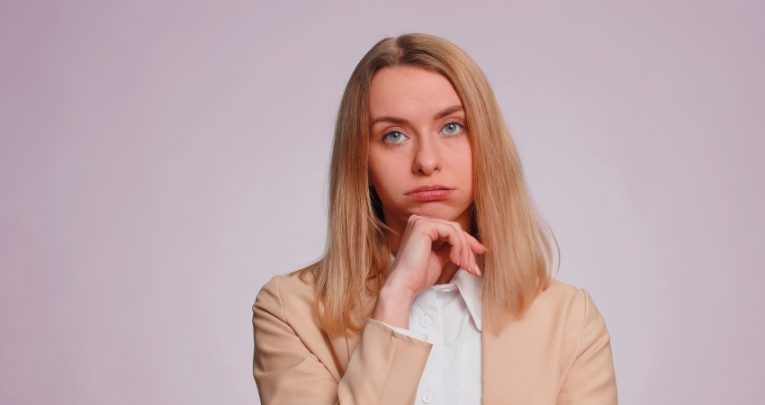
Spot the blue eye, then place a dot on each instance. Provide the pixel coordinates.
(452, 128)
(394, 137)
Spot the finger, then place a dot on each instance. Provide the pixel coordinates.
(468, 261)
(475, 245)
(440, 231)
(473, 262)
(465, 257)
(457, 246)
(461, 243)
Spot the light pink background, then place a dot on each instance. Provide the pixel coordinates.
(161, 160)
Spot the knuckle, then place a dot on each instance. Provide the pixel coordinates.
(456, 226)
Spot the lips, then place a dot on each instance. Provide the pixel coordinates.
(432, 192)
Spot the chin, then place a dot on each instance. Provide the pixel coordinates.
(437, 212)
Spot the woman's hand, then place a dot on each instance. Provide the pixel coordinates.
(427, 246)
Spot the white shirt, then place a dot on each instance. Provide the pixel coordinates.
(449, 317)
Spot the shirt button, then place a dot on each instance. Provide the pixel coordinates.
(425, 321)
(426, 398)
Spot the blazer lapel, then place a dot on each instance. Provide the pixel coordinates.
(505, 360)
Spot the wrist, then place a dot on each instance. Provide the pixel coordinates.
(393, 306)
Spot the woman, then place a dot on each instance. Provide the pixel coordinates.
(435, 286)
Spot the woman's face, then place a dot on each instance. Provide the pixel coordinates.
(420, 160)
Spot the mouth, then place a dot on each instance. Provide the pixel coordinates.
(433, 192)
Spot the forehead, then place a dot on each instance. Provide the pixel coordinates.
(410, 92)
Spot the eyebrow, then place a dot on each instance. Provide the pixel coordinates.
(397, 120)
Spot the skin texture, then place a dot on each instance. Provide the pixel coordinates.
(419, 138)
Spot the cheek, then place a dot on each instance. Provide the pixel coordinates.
(380, 172)
(373, 169)
(462, 161)
(463, 164)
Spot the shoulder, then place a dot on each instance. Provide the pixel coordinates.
(562, 311)
(570, 310)
(292, 292)
(585, 361)
(563, 297)
(287, 333)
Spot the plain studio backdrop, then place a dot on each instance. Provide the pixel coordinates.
(161, 160)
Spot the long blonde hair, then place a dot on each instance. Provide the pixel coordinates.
(518, 263)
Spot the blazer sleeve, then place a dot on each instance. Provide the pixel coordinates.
(385, 367)
(591, 379)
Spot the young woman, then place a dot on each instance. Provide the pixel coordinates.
(435, 286)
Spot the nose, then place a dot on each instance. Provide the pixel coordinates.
(427, 157)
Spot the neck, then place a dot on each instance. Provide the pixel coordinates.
(447, 273)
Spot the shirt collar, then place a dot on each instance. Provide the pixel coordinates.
(470, 289)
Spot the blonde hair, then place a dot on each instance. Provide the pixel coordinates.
(519, 258)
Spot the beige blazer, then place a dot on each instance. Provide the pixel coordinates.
(558, 353)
